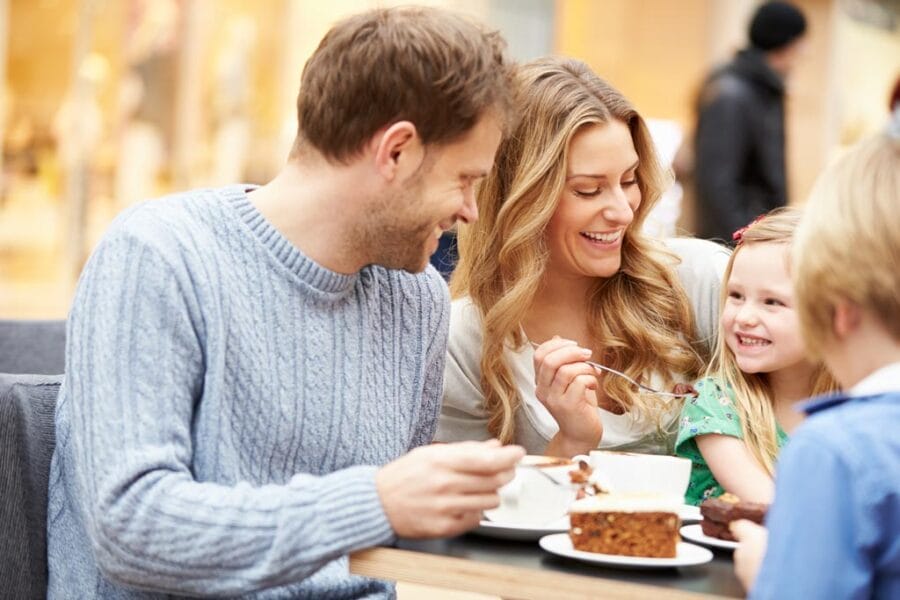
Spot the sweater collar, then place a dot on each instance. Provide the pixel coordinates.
(306, 269)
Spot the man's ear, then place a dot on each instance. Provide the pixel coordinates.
(398, 151)
(847, 318)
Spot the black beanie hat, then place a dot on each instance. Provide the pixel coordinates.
(775, 25)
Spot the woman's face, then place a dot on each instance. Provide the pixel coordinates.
(597, 203)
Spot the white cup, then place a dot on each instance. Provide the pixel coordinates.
(531, 499)
(627, 472)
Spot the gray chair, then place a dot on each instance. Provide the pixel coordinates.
(32, 346)
(27, 439)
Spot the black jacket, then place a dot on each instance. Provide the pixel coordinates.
(739, 146)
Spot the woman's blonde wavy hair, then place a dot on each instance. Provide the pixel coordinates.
(640, 316)
(753, 394)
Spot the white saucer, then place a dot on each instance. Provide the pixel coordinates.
(686, 555)
(689, 512)
(695, 534)
(518, 532)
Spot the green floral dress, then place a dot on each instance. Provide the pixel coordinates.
(712, 411)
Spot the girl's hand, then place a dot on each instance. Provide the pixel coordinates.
(567, 386)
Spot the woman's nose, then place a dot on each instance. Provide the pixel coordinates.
(619, 209)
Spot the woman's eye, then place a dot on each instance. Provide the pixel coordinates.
(629, 183)
(588, 193)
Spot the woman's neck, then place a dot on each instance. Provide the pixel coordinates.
(560, 307)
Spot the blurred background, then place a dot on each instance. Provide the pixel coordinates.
(104, 103)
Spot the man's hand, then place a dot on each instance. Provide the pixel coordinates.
(442, 489)
(749, 555)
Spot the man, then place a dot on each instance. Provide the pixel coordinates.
(241, 362)
(739, 142)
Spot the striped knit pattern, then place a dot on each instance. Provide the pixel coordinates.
(225, 407)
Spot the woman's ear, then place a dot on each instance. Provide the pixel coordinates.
(398, 151)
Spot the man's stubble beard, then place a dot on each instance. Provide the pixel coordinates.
(391, 243)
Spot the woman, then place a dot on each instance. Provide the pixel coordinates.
(558, 251)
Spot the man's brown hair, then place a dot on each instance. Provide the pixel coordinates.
(428, 66)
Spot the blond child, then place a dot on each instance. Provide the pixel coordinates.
(834, 529)
(745, 408)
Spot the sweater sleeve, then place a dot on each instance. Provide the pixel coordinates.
(135, 373)
(701, 271)
(435, 331)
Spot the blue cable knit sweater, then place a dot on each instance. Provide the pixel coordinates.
(225, 405)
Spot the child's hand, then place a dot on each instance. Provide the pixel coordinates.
(686, 389)
(749, 555)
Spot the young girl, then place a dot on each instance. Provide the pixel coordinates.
(734, 428)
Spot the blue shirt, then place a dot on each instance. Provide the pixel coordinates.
(834, 528)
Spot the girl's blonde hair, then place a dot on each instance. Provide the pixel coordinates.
(753, 394)
(640, 316)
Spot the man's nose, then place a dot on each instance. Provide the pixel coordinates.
(468, 213)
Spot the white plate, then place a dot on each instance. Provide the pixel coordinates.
(695, 534)
(520, 533)
(685, 555)
(688, 512)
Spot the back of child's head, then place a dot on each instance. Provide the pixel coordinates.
(753, 394)
(847, 247)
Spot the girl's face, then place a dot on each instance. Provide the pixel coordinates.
(597, 203)
(758, 319)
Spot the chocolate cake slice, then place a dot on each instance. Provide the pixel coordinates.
(719, 512)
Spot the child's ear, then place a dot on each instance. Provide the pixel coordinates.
(847, 318)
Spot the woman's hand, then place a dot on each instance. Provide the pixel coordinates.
(567, 386)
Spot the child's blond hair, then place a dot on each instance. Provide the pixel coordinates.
(848, 245)
(753, 393)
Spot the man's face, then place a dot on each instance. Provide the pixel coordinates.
(405, 227)
(785, 60)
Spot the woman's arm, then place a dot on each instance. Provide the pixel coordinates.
(735, 468)
(463, 415)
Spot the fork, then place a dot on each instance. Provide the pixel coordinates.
(640, 386)
(553, 479)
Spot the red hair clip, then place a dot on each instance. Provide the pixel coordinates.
(738, 236)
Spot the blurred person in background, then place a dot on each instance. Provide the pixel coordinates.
(250, 371)
(739, 166)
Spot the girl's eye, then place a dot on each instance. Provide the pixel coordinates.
(734, 295)
(774, 302)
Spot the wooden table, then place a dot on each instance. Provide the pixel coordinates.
(523, 570)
